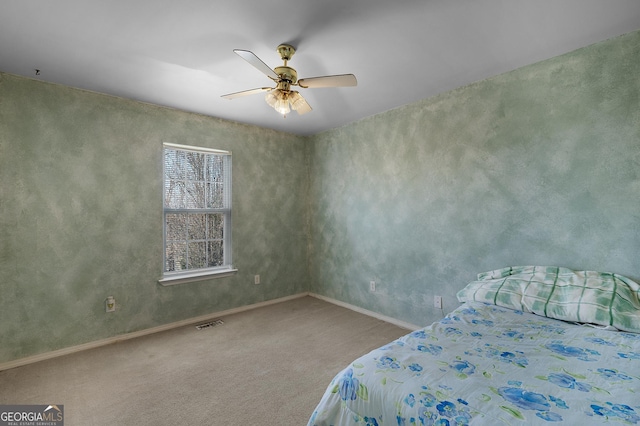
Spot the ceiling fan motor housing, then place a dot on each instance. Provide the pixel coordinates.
(287, 74)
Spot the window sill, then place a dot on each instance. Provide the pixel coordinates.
(188, 277)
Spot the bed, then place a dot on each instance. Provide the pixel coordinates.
(528, 345)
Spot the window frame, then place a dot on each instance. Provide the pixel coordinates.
(198, 274)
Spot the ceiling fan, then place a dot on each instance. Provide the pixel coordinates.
(282, 98)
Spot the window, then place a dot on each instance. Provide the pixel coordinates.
(197, 213)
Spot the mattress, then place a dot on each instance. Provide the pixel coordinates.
(493, 365)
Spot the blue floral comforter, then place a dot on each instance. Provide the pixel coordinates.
(484, 364)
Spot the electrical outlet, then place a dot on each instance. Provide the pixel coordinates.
(256, 279)
(437, 302)
(372, 286)
(110, 304)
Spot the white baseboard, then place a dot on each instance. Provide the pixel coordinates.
(401, 324)
(103, 342)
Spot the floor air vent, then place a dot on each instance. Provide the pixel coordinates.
(209, 324)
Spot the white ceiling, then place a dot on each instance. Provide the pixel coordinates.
(180, 53)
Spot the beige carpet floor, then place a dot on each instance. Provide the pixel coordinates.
(266, 366)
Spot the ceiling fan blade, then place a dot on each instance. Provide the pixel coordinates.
(342, 80)
(257, 63)
(246, 93)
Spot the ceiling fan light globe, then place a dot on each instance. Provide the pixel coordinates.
(282, 106)
(271, 98)
(296, 100)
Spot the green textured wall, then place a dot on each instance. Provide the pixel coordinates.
(81, 216)
(539, 166)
